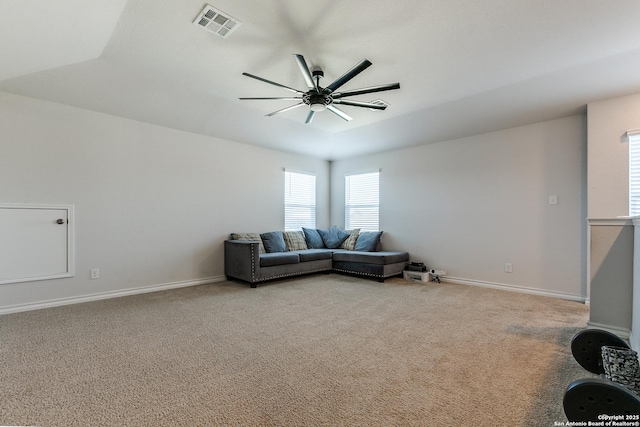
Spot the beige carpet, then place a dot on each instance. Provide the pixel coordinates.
(323, 350)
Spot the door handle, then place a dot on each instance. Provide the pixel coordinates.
(60, 221)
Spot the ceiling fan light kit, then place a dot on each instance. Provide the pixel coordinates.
(319, 98)
(317, 101)
(319, 106)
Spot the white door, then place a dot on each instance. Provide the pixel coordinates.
(35, 243)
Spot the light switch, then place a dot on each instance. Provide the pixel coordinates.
(553, 199)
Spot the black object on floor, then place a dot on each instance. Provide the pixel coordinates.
(586, 348)
(590, 398)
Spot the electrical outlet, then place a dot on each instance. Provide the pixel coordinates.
(508, 268)
(95, 273)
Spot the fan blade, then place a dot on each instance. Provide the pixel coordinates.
(290, 98)
(339, 112)
(310, 116)
(304, 68)
(285, 109)
(273, 83)
(359, 104)
(357, 69)
(371, 89)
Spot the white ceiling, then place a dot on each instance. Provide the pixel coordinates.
(465, 67)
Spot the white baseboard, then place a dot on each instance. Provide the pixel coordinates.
(107, 295)
(161, 287)
(623, 333)
(633, 341)
(513, 288)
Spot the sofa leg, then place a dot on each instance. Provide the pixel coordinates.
(381, 280)
(253, 285)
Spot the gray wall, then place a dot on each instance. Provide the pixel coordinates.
(611, 275)
(152, 204)
(608, 164)
(608, 186)
(470, 205)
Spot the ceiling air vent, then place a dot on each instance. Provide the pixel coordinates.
(216, 21)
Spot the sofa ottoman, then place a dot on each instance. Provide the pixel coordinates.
(381, 265)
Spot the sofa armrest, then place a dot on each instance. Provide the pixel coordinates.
(241, 259)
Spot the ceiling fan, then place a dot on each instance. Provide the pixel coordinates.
(324, 98)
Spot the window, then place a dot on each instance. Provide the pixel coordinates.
(634, 172)
(299, 200)
(362, 201)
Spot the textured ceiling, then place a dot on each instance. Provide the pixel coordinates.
(465, 67)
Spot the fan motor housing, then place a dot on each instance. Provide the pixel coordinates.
(315, 98)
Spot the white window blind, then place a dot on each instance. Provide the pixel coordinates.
(362, 201)
(299, 200)
(634, 172)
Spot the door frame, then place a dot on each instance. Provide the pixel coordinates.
(70, 240)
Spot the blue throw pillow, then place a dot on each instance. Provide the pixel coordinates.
(368, 241)
(333, 237)
(314, 241)
(273, 241)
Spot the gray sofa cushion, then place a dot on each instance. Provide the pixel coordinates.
(380, 258)
(314, 241)
(278, 258)
(314, 254)
(368, 241)
(273, 241)
(333, 237)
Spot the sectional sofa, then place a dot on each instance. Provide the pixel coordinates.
(254, 257)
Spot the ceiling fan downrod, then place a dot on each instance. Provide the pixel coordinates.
(320, 98)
